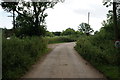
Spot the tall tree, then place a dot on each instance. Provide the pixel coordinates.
(116, 15)
(85, 28)
(34, 10)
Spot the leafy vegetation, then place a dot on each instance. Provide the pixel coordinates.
(57, 33)
(60, 39)
(68, 35)
(68, 31)
(19, 50)
(85, 28)
(50, 34)
(100, 51)
(19, 54)
(30, 18)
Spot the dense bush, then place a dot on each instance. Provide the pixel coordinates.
(101, 53)
(19, 54)
(105, 51)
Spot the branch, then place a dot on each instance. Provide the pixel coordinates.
(27, 17)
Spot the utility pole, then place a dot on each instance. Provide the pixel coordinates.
(88, 17)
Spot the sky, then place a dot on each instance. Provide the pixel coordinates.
(69, 14)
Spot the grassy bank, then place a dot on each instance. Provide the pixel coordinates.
(101, 53)
(19, 54)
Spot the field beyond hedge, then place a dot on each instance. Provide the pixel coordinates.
(61, 39)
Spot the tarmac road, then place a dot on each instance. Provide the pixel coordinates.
(63, 62)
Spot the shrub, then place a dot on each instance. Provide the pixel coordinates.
(19, 54)
(101, 53)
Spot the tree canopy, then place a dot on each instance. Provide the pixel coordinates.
(85, 28)
(68, 31)
(30, 14)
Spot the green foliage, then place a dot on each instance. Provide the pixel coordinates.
(57, 33)
(93, 46)
(60, 39)
(19, 54)
(69, 35)
(31, 16)
(68, 31)
(49, 34)
(85, 28)
(100, 52)
(78, 34)
(28, 30)
(110, 71)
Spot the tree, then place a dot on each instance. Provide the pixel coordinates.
(68, 31)
(24, 27)
(96, 32)
(30, 10)
(116, 15)
(85, 28)
(50, 34)
(57, 33)
(107, 29)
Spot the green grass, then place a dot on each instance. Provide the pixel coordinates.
(110, 71)
(19, 54)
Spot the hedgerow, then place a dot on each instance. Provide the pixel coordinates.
(19, 54)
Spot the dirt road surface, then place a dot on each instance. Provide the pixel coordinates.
(63, 62)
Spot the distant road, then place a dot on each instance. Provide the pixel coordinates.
(63, 62)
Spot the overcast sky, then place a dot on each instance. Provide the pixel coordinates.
(68, 14)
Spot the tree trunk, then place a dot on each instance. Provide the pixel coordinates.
(36, 19)
(115, 21)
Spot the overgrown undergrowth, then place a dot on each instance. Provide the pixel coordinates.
(19, 54)
(101, 53)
